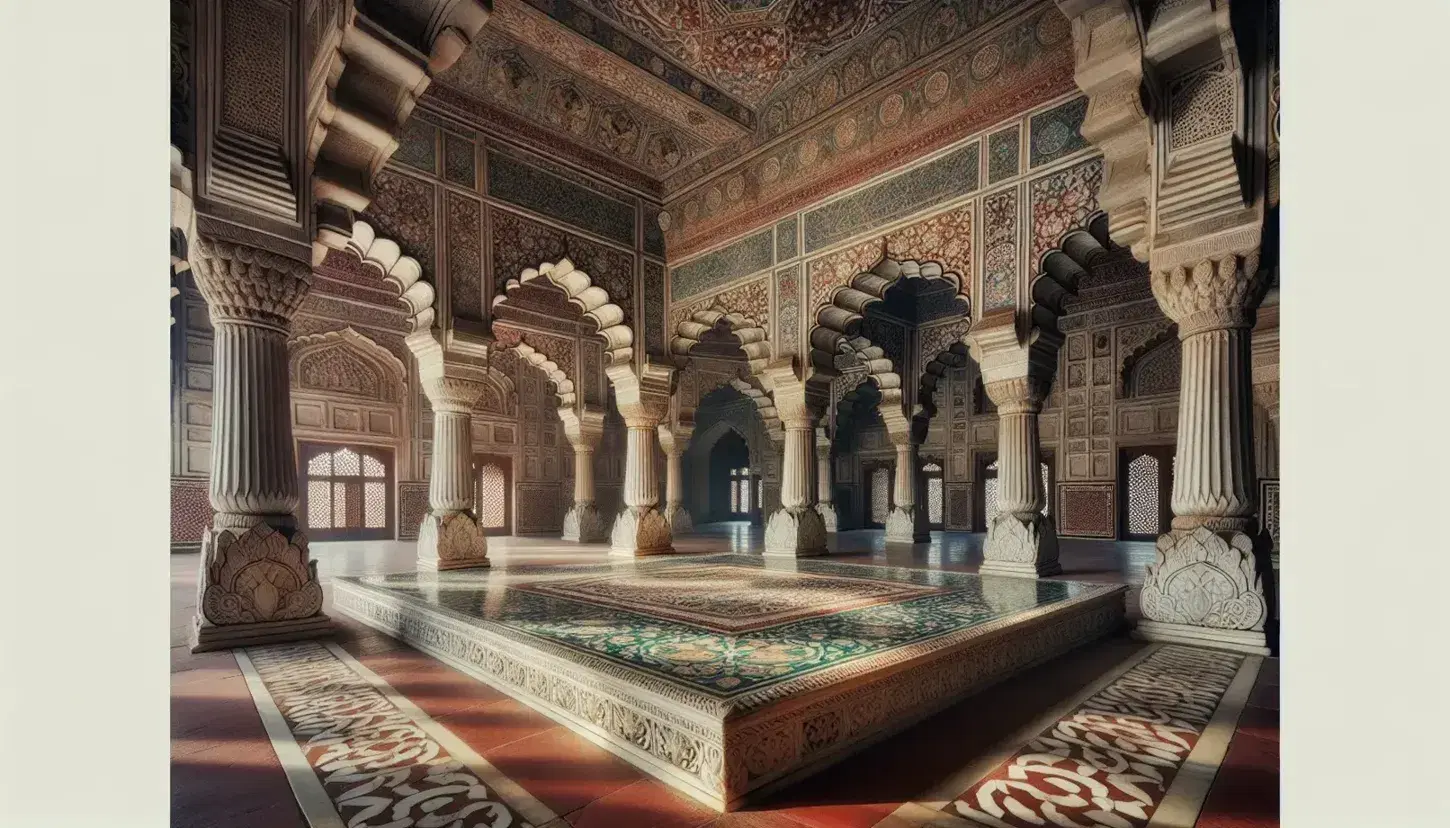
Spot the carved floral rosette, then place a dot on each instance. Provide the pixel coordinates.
(1205, 579)
(260, 575)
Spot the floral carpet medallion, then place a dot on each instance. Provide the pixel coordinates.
(726, 625)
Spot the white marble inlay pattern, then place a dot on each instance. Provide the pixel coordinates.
(359, 754)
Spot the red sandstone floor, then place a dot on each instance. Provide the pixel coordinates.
(225, 773)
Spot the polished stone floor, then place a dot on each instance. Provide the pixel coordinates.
(226, 772)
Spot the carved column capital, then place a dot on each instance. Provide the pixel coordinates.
(674, 438)
(246, 284)
(1018, 395)
(1266, 396)
(1018, 369)
(583, 429)
(1211, 293)
(453, 393)
(643, 398)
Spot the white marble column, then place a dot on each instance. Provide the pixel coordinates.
(1020, 540)
(906, 522)
(450, 537)
(674, 439)
(252, 295)
(584, 522)
(1017, 376)
(640, 528)
(794, 530)
(825, 483)
(1205, 585)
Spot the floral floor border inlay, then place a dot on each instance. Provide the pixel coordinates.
(1112, 761)
(359, 754)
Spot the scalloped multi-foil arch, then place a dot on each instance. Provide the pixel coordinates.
(1164, 335)
(402, 273)
(360, 345)
(1061, 268)
(563, 386)
(935, 369)
(837, 331)
(589, 298)
(750, 388)
(751, 333)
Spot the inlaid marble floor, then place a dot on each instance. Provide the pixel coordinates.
(226, 771)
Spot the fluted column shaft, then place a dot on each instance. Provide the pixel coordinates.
(825, 490)
(583, 474)
(905, 479)
(641, 479)
(450, 486)
(1019, 483)
(674, 477)
(1213, 480)
(253, 464)
(795, 484)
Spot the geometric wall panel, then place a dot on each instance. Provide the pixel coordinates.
(1086, 510)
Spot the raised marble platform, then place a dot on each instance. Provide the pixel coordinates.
(728, 676)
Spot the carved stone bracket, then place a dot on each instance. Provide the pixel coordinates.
(363, 84)
(1110, 69)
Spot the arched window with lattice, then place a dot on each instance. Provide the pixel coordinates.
(935, 488)
(1145, 491)
(347, 492)
(743, 498)
(878, 495)
(493, 493)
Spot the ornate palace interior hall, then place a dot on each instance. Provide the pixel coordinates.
(731, 412)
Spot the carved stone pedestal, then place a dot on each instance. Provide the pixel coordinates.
(584, 523)
(904, 525)
(451, 541)
(640, 531)
(829, 519)
(795, 532)
(1021, 547)
(256, 586)
(678, 517)
(1204, 588)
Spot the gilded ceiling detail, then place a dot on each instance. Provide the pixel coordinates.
(747, 48)
(681, 91)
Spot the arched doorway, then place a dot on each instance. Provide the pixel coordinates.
(734, 489)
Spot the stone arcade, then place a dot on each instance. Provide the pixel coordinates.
(737, 384)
